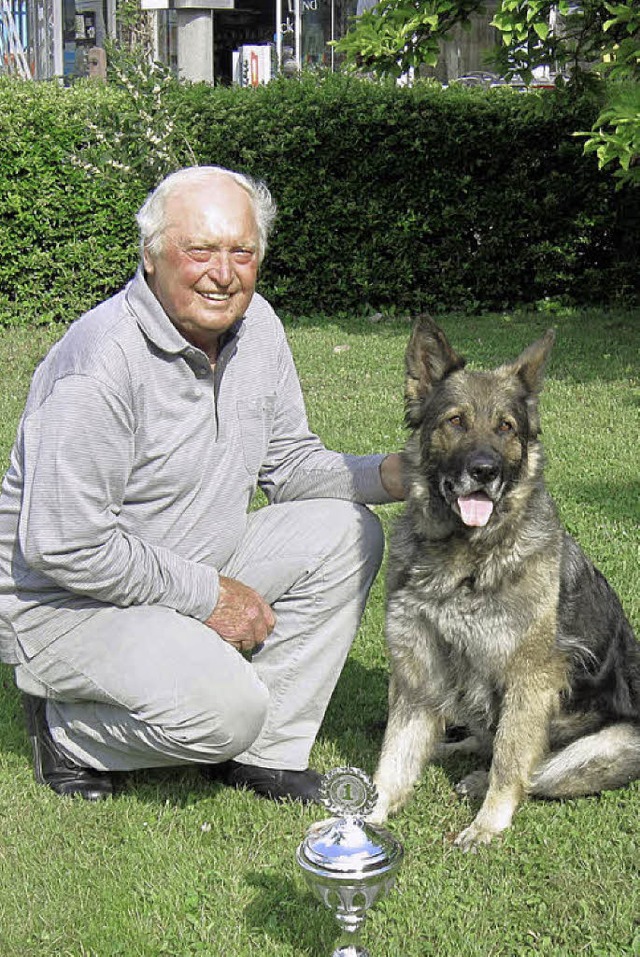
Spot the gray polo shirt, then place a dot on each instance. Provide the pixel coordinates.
(134, 466)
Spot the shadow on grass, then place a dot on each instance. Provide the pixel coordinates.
(289, 915)
(13, 734)
(619, 502)
(357, 714)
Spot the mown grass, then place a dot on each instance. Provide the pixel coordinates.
(175, 866)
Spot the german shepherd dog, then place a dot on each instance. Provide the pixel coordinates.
(496, 620)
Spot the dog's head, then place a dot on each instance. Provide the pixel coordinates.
(474, 433)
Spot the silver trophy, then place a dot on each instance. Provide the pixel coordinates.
(349, 864)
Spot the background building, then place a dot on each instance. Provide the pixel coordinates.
(221, 41)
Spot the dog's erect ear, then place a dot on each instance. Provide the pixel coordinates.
(429, 359)
(530, 364)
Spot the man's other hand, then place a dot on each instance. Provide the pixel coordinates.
(241, 616)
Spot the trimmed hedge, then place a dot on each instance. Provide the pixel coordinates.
(65, 240)
(389, 197)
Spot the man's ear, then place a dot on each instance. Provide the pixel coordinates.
(148, 261)
(429, 359)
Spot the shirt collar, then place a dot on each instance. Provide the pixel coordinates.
(156, 324)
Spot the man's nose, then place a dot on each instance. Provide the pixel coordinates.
(221, 268)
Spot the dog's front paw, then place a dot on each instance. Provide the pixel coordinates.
(389, 801)
(474, 837)
(380, 812)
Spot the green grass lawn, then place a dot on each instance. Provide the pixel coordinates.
(175, 866)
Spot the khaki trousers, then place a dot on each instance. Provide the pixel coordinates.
(145, 686)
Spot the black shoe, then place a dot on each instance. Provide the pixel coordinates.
(274, 783)
(50, 765)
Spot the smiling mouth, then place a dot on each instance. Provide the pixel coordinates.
(216, 296)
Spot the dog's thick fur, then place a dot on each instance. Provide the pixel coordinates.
(496, 620)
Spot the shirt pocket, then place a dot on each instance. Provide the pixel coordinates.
(255, 418)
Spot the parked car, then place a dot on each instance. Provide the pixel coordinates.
(543, 78)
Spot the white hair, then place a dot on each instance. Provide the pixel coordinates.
(151, 217)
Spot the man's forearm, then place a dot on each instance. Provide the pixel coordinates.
(126, 571)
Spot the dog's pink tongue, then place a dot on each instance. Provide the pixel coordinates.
(475, 509)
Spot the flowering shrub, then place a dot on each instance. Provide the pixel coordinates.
(144, 144)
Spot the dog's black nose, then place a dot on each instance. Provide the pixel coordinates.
(484, 466)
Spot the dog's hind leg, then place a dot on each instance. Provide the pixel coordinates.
(480, 745)
(474, 786)
(608, 759)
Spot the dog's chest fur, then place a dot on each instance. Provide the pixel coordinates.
(457, 616)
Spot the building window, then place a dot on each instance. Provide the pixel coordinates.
(84, 27)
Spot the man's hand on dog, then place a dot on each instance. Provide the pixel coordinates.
(241, 617)
(391, 475)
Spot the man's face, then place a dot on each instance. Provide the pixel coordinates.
(205, 272)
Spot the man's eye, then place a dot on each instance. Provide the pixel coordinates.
(199, 255)
(243, 255)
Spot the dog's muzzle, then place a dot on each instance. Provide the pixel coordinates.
(473, 494)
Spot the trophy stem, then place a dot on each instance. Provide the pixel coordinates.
(349, 945)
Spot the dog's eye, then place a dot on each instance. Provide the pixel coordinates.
(456, 421)
(505, 427)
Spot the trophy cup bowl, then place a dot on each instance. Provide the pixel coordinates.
(349, 864)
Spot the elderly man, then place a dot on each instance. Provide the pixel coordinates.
(152, 617)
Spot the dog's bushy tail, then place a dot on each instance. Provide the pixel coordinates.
(608, 759)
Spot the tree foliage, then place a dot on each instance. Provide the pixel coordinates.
(576, 39)
(396, 35)
(586, 42)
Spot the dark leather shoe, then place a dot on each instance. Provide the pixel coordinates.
(275, 783)
(50, 765)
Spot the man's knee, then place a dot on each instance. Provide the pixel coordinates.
(220, 729)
